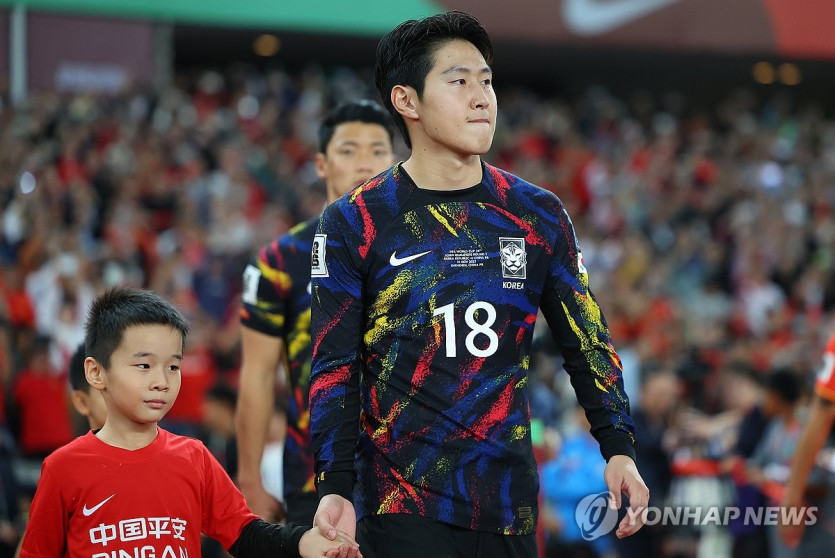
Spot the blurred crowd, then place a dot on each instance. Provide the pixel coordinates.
(709, 237)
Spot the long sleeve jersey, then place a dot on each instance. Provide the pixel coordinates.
(423, 311)
(276, 302)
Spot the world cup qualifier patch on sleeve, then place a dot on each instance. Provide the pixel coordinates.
(318, 266)
(252, 277)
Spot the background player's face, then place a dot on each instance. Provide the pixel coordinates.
(458, 107)
(143, 379)
(91, 405)
(357, 151)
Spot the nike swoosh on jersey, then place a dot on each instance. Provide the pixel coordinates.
(395, 261)
(89, 511)
(595, 17)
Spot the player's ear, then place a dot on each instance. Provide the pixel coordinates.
(320, 165)
(94, 372)
(404, 99)
(80, 402)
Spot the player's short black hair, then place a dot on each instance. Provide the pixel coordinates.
(363, 110)
(405, 54)
(78, 380)
(120, 308)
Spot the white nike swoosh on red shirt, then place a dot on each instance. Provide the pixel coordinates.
(89, 511)
(595, 17)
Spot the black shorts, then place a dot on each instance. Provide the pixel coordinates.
(412, 536)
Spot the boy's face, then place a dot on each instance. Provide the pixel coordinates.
(143, 379)
(356, 152)
(458, 107)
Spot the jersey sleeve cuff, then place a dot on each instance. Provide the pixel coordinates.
(295, 533)
(617, 445)
(339, 483)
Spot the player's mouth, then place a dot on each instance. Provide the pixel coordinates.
(155, 403)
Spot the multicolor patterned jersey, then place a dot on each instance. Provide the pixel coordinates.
(423, 312)
(825, 382)
(276, 302)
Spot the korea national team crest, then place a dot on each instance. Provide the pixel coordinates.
(318, 265)
(514, 258)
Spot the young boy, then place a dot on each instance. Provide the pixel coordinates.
(132, 488)
(87, 401)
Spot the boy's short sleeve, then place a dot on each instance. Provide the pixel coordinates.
(46, 531)
(225, 513)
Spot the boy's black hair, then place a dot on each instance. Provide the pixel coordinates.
(365, 111)
(120, 308)
(405, 54)
(78, 380)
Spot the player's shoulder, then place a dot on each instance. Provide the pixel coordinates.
(377, 197)
(303, 231)
(298, 238)
(510, 188)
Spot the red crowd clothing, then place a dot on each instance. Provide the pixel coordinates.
(42, 399)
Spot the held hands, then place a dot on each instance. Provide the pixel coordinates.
(335, 513)
(314, 545)
(621, 476)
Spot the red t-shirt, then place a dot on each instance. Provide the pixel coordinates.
(98, 501)
(43, 401)
(825, 382)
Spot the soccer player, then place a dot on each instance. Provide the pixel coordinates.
(355, 144)
(818, 426)
(131, 487)
(426, 285)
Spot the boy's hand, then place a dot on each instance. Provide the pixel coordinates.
(314, 545)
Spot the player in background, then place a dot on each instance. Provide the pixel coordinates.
(87, 401)
(427, 281)
(132, 487)
(355, 144)
(815, 432)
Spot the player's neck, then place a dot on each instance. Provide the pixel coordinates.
(445, 172)
(129, 437)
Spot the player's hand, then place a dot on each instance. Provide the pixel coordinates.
(262, 503)
(335, 513)
(314, 545)
(621, 476)
(791, 533)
